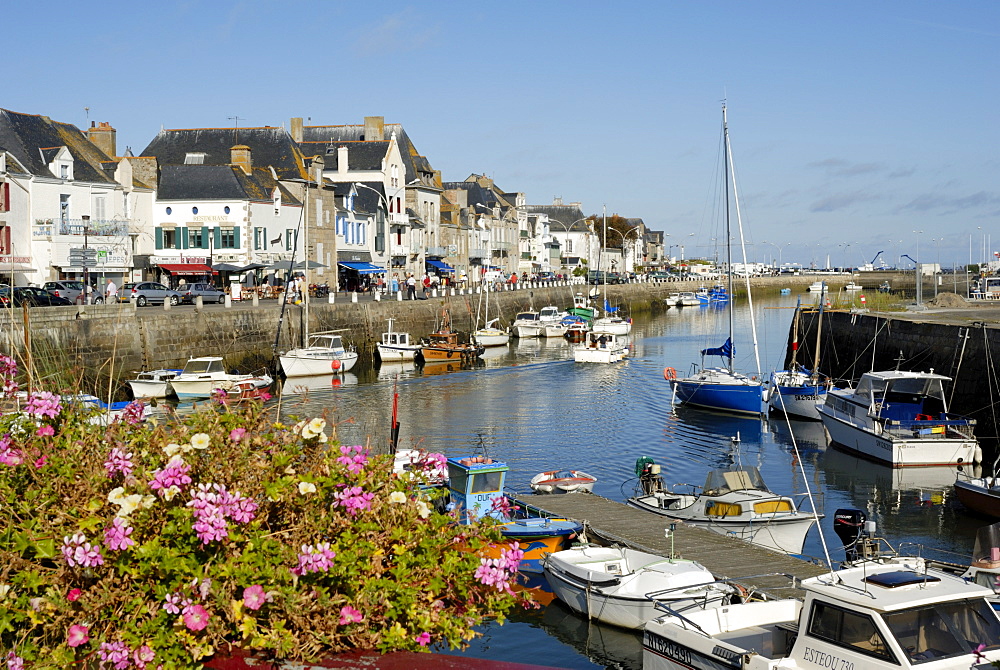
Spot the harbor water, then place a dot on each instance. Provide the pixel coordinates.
(531, 406)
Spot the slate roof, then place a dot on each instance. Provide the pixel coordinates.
(360, 155)
(218, 182)
(412, 160)
(476, 195)
(269, 147)
(564, 214)
(29, 137)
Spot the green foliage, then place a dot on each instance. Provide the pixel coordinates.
(400, 570)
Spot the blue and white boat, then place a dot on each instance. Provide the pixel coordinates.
(723, 388)
(796, 391)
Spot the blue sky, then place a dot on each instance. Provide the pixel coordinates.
(853, 124)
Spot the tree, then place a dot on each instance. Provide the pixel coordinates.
(615, 222)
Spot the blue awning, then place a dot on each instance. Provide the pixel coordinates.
(440, 265)
(363, 268)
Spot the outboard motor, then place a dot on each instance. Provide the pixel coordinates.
(856, 534)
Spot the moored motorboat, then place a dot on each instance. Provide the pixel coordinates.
(901, 418)
(979, 494)
(526, 324)
(796, 391)
(325, 354)
(563, 481)
(396, 346)
(475, 487)
(600, 348)
(688, 299)
(626, 587)
(734, 501)
(577, 331)
(152, 383)
(204, 375)
(442, 346)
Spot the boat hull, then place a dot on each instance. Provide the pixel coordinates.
(611, 327)
(978, 496)
(528, 330)
(721, 392)
(187, 389)
(397, 353)
(537, 538)
(572, 481)
(897, 452)
(150, 389)
(792, 394)
(491, 338)
(450, 354)
(599, 355)
(310, 362)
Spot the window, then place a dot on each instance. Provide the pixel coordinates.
(196, 240)
(64, 208)
(99, 209)
(569, 246)
(64, 171)
(259, 237)
(169, 238)
(227, 238)
(289, 239)
(937, 631)
(850, 630)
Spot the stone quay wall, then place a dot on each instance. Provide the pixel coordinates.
(117, 339)
(854, 343)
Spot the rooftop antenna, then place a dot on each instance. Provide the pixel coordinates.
(86, 110)
(237, 120)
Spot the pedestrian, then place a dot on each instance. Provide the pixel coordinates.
(602, 341)
(411, 287)
(513, 280)
(110, 291)
(395, 282)
(427, 285)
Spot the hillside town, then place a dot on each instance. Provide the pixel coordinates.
(358, 201)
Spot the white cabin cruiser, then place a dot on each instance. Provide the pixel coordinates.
(396, 346)
(527, 324)
(600, 348)
(325, 354)
(152, 383)
(900, 418)
(202, 376)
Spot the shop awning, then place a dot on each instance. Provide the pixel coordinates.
(187, 268)
(362, 268)
(440, 265)
(16, 267)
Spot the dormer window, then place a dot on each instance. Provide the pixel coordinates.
(64, 171)
(194, 158)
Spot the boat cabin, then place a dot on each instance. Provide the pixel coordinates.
(904, 396)
(601, 340)
(475, 485)
(548, 314)
(526, 316)
(726, 480)
(439, 339)
(327, 341)
(392, 339)
(203, 365)
(987, 288)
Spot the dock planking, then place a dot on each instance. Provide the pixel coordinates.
(726, 557)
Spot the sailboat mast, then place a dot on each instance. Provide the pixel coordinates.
(795, 335)
(814, 377)
(729, 239)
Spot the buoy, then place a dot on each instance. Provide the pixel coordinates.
(862, 299)
(335, 364)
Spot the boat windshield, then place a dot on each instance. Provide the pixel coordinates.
(199, 366)
(722, 480)
(331, 341)
(943, 630)
(527, 316)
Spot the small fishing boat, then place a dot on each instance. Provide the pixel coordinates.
(786, 291)
(734, 501)
(526, 324)
(325, 354)
(563, 481)
(600, 348)
(152, 383)
(577, 331)
(851, 286)
(817, 287)
(476, 489)
(491, 336)
(442, 346)
(103, 413)
(396, 346)
(900, 418)
(688, 299)
(625, 587)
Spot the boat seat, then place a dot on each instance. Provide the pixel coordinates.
(751, 638)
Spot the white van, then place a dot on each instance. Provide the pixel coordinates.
(493, 276)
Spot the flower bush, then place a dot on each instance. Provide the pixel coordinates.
(160, 544)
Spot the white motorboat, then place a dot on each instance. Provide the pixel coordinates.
(625, 587)
(688, 299)
(551, 314)
(491, 336)
(152, 383)
(102, 413)
(612, 325)
(984, 568)
(734, 501)
(325, 354)
(600, 348)
(851, 286)
(526, 324)
(203, 376)
(901, 418)
(563, 481)
(979, 494)
(878, 615)
(396, 346)
(817, 287)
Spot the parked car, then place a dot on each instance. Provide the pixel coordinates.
(659, 276)
(595, 277)
(546, 276)
(615, 278)
(30, 295)
(70, 289)
(152, 293)
(125, 292)
(207, 292)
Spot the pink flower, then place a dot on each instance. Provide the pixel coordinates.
(349, 615)
(78, 551)
(45, 431)
(315, 559)
(196, 618)
(116, 536)
(354, 499)
(423, 639)
(254, 597)
(118, 461)
(14, 662)
(236, 434)
(41, 462)
(77, 635)
(43, 403)
(143, 655)
(264, 396)
(978, 653)
(74, 595)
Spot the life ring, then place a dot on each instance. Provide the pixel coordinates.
(669, 374)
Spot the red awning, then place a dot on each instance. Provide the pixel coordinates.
(187, 268)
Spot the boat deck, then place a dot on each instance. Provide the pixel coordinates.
(726, 557)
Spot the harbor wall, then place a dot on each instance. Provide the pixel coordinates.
(854, 343)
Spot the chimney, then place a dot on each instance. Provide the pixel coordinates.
(342, 165)
(241, 157)
(103, 137)
(297, 129)
(374, 128)
(557, 201)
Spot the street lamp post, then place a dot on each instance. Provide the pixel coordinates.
(624, 251)
(566, 227)
(388, 237)
(211, 242)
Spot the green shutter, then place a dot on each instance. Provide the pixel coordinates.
(236, 237)
(183, 242)
(217, 235)
(159, 237)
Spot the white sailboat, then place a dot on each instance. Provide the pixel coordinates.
(490, 335)
(723, 388)
(799, 392)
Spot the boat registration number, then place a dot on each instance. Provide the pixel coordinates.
(663, 647)
(822, 659)
(806, 398)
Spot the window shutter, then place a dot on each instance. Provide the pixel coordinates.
(159, 237)
(217, 238)
(236, 237)
(183, 241)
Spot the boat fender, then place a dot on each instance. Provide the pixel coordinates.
(335, 364)
(669, 373)
(977, 455)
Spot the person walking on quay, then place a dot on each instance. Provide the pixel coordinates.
(411, 287)
(427, 285)
(395, 282)
(110, 291)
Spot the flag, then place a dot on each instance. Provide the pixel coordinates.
(726, 350)
(608, 308)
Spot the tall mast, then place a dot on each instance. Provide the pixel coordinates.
(305, 270)
(729, 244)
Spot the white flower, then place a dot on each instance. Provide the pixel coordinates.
(172, 449)
(397, 497)
(307, 487)
(307, 433)
(200, 441)
(169, 493)
(4, 590)
(317, 425)
(423, 509)
(116, 495)
(297, 428)
(147, 501)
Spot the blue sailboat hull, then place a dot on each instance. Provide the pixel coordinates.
(741, 398)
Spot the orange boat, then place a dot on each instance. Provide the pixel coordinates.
(442, 345)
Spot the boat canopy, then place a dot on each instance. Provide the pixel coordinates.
(726, 480)
(527, 316)
(196, 366)
(331, 341)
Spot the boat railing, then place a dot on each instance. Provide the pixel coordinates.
(930, 429)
